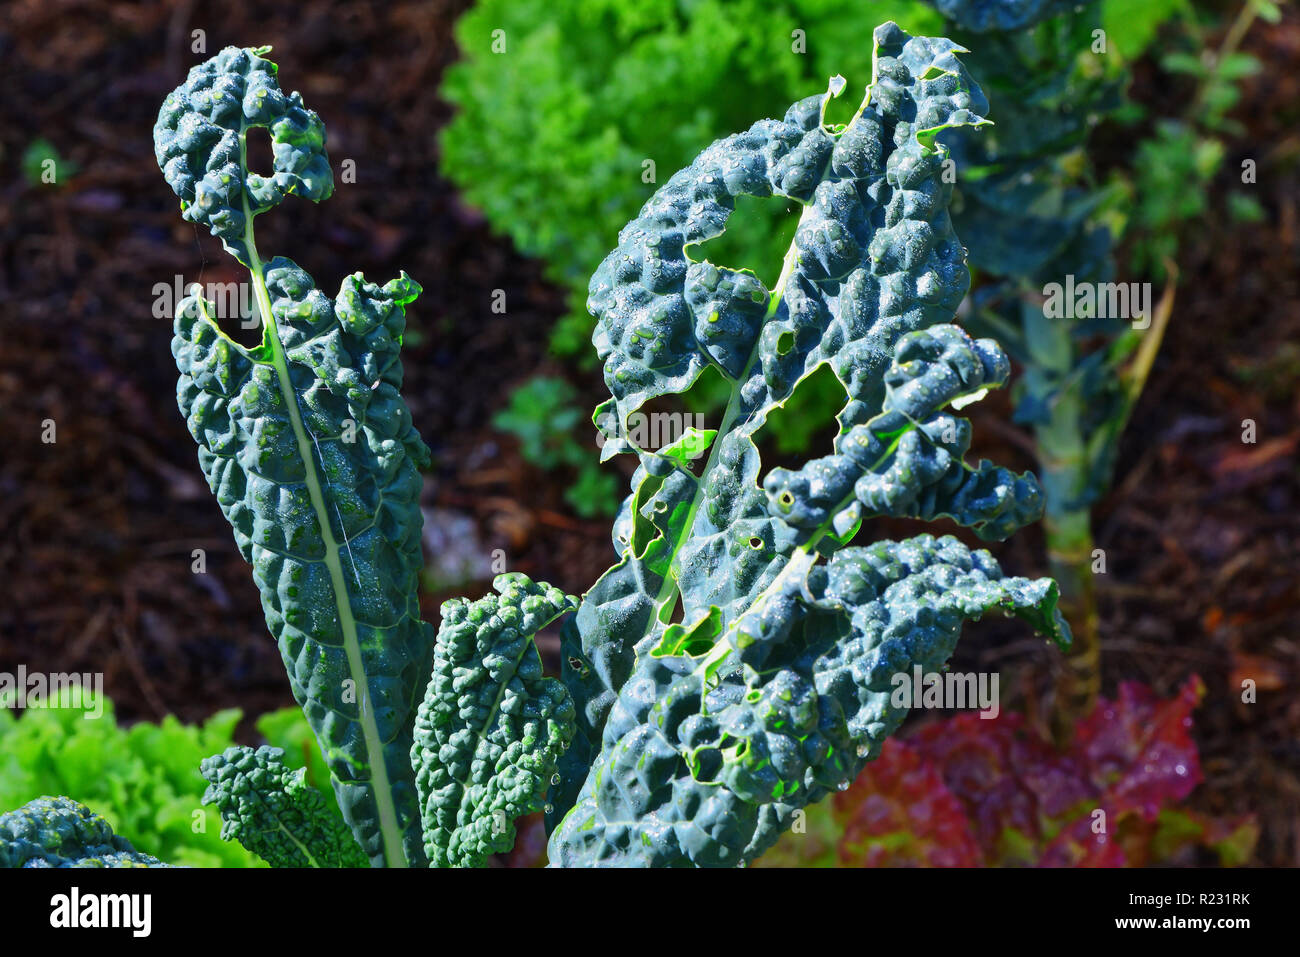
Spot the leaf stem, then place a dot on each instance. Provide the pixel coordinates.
(390, 829)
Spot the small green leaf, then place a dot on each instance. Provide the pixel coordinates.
(274, 812)
(1179, 62)
(491, 726)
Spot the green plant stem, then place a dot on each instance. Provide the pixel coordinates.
(1231, 40)
(1070, 557)
(1066, 471)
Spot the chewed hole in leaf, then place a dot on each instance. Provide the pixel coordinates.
(758, 233)
(672, 613)
(258, 156)
(805, 422)
(693, 641)
(664, 420)
(706, 764)
(232, 308)
(841, 109)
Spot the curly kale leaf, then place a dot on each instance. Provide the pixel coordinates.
(491, 727)
(308, 446)
(274, 812)
(200, 144)
(721, 733)
(310, 450)
(705, 734)
(707, 768)
(59, 832)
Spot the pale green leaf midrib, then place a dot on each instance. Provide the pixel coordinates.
(390, 829)
(303, 848)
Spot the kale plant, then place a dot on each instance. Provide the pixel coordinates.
(1030, 212)
(700, 737)
(736, 663)
(307, 444)
(1036, 216)
(1026, 200)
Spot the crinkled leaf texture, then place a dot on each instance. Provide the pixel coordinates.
(699, 738)
(59, 832)
(321, 486)
(491, 727)
(274, 812)
(199, 142)
(308, 446)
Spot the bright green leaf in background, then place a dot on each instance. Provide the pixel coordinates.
(144, 780)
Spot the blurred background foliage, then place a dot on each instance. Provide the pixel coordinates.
(144, 779)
